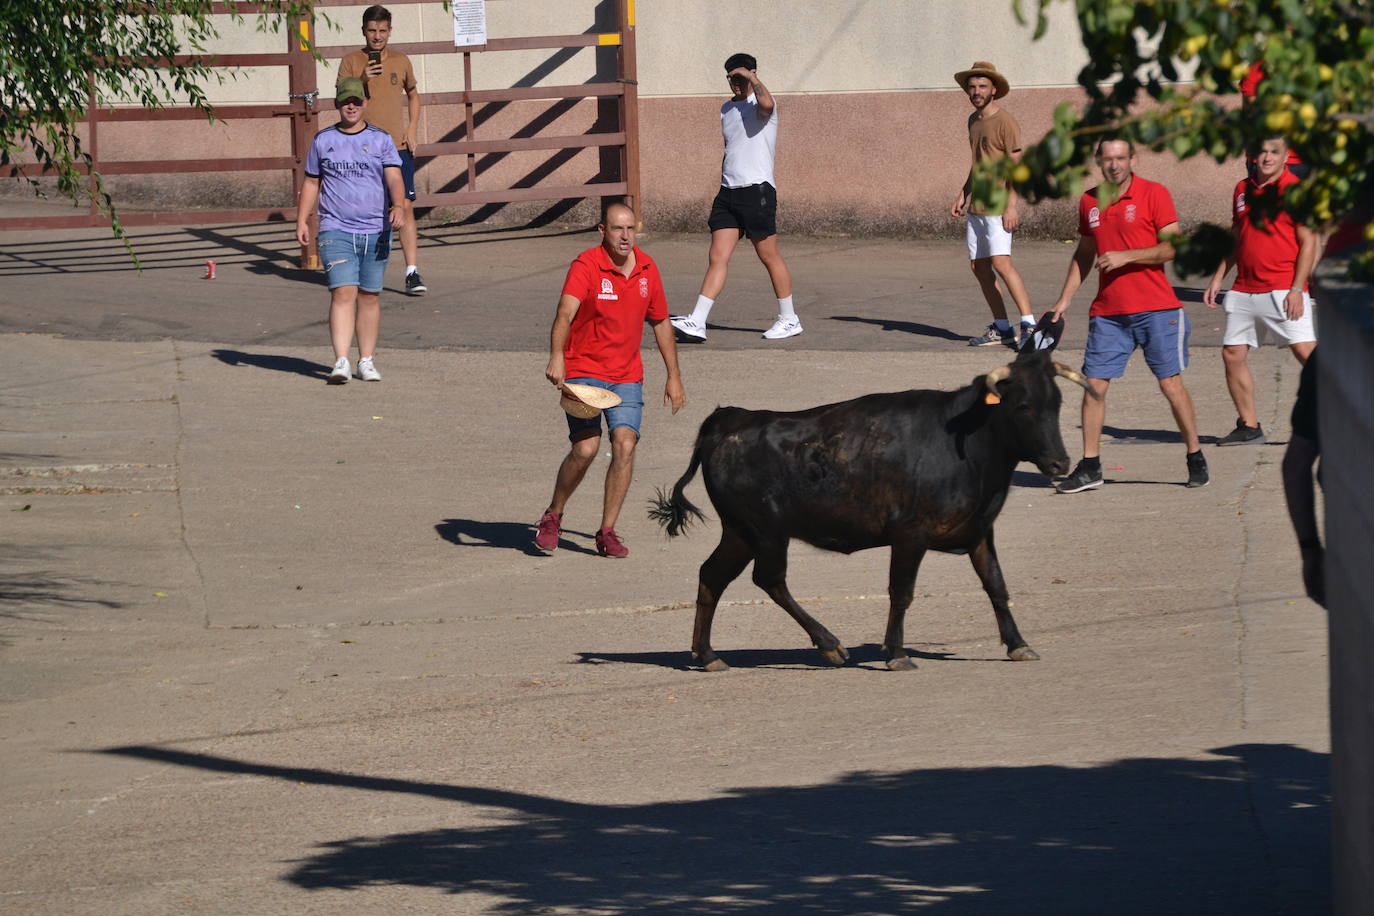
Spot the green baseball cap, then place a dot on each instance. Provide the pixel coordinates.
(350, 87)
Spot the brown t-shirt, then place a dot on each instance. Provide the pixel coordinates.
(386, 94)
(992, 137)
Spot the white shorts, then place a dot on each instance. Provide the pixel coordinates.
(1250, 315)
(986, 237)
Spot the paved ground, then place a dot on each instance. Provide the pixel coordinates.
(271, 646)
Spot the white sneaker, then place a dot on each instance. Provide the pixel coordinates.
(684, 325)
(783, 327)
(368, 372)
(340, 373)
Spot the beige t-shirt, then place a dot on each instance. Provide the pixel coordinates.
(386, 94)
(992, 137)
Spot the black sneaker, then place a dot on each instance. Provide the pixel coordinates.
(992, 337)
(1197, 469)
(1082, 478)
(1243, 435)
(415, 284)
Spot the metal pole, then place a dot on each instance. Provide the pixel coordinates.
(301, 79)
(629, 105)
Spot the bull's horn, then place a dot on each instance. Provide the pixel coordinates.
(1076, 377)
(991, 380)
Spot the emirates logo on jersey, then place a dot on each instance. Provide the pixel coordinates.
(1094, 218)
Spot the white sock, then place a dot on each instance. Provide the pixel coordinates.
(1028, 321)
(410, 269)
(785, 308)
(1002, 324)
(702, 310)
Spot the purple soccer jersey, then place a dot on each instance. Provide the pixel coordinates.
(353, 194)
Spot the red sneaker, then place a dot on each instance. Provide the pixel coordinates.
(547, 531)
(608, 544)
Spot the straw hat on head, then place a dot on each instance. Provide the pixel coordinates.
(983, 68)
(585, 401)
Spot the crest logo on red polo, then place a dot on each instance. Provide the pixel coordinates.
(1094, 218)
(607, 289)
(644, 287)
(1240, 203)
(1130, 213)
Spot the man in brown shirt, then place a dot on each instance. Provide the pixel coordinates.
(992, 133)
(388, 76)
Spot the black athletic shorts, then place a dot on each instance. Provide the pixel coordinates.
(752, 210)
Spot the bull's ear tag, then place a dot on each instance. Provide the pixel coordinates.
(991, 398)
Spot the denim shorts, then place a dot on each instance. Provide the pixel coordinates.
(1163, 335)
(628, 412)
(355, 259)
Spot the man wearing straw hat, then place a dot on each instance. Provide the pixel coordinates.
(610, 291)
(992, 134)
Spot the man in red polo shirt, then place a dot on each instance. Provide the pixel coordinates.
(1124, 223)
(1273, 261)
(610, 291)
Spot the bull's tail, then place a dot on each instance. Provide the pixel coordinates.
(676, 514)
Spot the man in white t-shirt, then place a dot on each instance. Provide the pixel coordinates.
(747, 203)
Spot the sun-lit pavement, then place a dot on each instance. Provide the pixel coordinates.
(268, 645)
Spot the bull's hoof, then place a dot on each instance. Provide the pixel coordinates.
(1023, 654)
(836, 656)
(715, 664)
(901, 663)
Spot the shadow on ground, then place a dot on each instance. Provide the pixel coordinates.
(1150, 835)
(868, 656)
(471, 532)
(905, 327)
(273, 362)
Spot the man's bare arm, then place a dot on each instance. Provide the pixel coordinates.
(556, 371)
(674, 395)
(762, 96)
(1079, 265)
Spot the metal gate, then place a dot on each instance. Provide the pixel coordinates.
(617, 133)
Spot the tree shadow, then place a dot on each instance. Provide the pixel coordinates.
(468, 532)
(1244, 830)
(276, 363)
(867, 656)
(905, 327)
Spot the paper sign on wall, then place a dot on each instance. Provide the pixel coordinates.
(469, 22)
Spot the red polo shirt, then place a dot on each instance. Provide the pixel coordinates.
(1132, 221)
(609, 325)
(1266, 255)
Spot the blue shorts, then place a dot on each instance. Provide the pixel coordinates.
(1163, 335)
(628, 412)
(408, 172)
(355, 259)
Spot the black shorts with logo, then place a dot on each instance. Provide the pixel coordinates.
(753, 210)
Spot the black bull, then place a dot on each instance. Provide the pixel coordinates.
(915, 470)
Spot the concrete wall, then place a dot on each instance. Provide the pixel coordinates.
(872, 138)
(1346, 405)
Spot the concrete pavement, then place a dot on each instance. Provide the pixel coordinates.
(273, 646)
